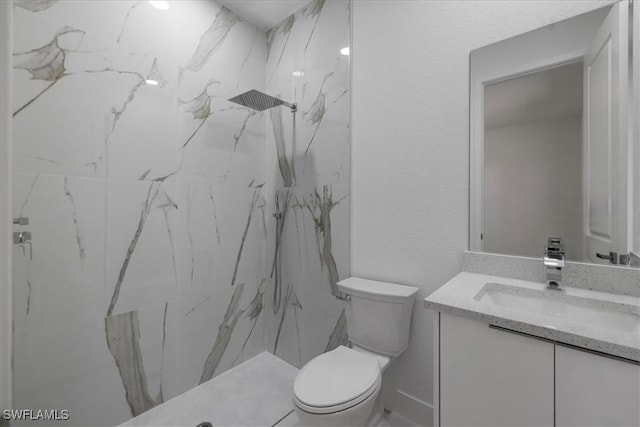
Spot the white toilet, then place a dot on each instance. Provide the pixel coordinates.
(341, 387)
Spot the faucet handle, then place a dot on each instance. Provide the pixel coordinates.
(612, 257)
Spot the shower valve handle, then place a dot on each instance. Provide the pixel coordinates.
(23, 238)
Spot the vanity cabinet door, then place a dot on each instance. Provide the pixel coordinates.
(492, 377)
(594, 390)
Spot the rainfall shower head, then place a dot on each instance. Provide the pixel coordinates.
(260, 101)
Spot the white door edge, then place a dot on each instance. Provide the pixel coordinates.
(5, 206)
(635, 130)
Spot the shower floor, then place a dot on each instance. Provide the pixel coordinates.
(255, 393)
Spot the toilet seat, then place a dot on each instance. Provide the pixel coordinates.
(336, 380)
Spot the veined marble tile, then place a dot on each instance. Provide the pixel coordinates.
(316, 242)
(67, 365)
(222, 235)
(221, 56)
(141, 259)
(305, 65)
(315, 255)
(64, 75)
(143, 345)
(143, 28)
(61, 275)
(222, 278)
(171, 229)
(142, 130)
(60, 354)
(214, 339)
(324, 324)
(282, 308)
(223, 147)
(285, 327)
(102, 17)
(216, 44)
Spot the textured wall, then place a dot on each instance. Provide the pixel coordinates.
(410, 150)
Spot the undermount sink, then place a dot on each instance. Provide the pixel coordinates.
(552, 303)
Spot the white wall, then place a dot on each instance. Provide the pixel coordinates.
(410, 151)
(533, 187)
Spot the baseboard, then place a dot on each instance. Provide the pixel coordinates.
(410, 407)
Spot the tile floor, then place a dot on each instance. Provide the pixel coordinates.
(255, 393)
(390, 420)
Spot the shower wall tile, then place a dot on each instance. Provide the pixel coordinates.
(143, 346)
(305, 65)
(221, 146)
(315, 255)
(310, 152)
(104, 285)
(141, 257)
(140, 136)
(218, 140)
(151, 206)
(320, 318)
(62, 274)
(285, 327)
(85, 87)
(222, 277)
(61, 354)
(67, 365)
(59, 346)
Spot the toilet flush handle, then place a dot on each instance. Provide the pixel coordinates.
(344, 297)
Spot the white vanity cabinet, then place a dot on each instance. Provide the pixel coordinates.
(489, 377)
(595, 390)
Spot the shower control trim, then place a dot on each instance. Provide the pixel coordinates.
(21, 220)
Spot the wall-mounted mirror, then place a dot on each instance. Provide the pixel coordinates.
(553, 114)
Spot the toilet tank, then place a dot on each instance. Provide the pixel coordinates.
(378, 314)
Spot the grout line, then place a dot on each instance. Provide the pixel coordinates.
(282, 418)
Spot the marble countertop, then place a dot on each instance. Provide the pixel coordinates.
(458, 296)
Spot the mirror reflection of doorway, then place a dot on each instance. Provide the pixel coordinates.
(599, 42)
(533, 162)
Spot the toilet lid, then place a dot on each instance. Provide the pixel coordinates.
(336, 377)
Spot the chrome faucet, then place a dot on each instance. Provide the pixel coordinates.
(554, 262)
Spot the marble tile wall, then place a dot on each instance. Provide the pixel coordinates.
(151, 205)
(144, 203)
(308, 158)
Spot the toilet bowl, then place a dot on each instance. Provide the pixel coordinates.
(338, 388)
(342, 387)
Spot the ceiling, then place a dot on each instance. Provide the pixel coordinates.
(548, 94)
(264, 14)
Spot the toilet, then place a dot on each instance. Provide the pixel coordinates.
(342, 387)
